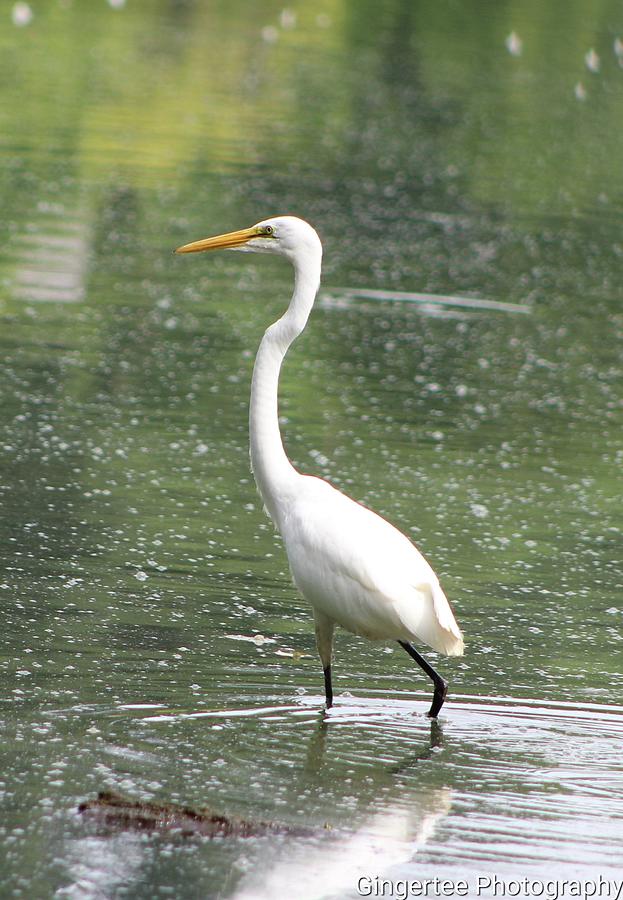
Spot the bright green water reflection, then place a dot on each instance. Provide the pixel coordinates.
(152, 640)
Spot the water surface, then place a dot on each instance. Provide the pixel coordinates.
(153, 642)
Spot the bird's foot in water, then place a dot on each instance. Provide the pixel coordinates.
(441, 691)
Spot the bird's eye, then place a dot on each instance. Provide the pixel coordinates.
(268, 229)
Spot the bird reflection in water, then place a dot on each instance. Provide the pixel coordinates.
(318, 744)
(399, 818)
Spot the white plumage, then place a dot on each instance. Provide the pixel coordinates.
(355, 568)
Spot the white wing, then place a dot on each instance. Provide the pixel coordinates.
(362, 572)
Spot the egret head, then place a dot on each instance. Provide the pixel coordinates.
(284, 235)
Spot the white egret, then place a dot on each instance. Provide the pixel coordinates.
(355, 569)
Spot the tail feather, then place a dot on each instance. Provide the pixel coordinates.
(436, 625)
(452, 639)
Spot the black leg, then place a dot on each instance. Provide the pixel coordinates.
(441, 688)
(328, 688)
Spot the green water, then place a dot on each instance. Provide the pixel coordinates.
(152, 640)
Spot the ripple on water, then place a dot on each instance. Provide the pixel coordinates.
(509, 786)
(497, 785)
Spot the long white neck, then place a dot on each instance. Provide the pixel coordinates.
(274, 474)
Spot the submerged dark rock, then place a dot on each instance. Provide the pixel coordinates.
(114, 812)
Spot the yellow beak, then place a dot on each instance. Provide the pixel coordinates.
(221, 241)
